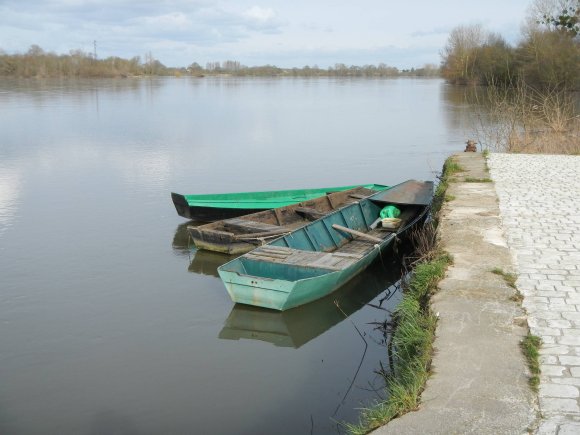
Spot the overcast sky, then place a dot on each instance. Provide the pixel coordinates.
(285, 33)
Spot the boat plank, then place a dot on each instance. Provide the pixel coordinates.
(309, 213)
(263, 235)
(238, 224)
(214, 233)
(312, 259)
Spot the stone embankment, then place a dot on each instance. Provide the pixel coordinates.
(480, 377)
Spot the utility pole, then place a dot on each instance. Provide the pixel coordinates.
(95, 49)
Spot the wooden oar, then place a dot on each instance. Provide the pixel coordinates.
(357, 233)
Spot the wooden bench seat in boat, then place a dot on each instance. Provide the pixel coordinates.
(237, 224)
(297, 257)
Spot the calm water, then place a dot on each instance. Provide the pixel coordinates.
(111, 324)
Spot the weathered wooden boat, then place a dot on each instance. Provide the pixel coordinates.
(213, 207)
(238, 235)
(316, 259)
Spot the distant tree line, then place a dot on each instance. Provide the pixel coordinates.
(38, 63)
(234, 68)
(548, 54)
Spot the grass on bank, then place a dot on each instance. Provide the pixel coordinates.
(450, 168)
(530, 346)
(477, 180)
(510, 279)
(413, 343)
(414, 324)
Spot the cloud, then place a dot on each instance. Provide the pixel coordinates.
(273, 31)
(173, 20)
(259, 14)
(438, 31)
(126, 28)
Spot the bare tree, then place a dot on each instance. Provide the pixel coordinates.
(460, 52)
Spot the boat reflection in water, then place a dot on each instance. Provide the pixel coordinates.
(181, 244)
(202, 262)
(296, 327)
(207, 262)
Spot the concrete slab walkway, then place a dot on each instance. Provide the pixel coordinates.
(479, 382)
(540, 206)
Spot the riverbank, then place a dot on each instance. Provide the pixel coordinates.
(479, 381)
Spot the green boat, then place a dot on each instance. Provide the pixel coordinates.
(213, 207)
(313, 261)
(239, 235)
(294, 328)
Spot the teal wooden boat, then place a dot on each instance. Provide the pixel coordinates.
(239, 235)
(313, 261)
(213, 207)
(294, 328)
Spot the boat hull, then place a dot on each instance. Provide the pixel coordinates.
(283, 295)
(230, 248)
(213, 207)
(317, 259)
(208, 213)
(240, 235)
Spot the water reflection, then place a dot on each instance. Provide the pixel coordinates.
(126, 346)
(182, 245)
(50, 91)
(201, 262)
(207, 262)
(298, 326)
(10, 181)
(113, 422)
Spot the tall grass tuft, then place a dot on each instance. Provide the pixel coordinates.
(531, 348)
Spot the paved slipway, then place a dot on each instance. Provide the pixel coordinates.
(540, 208)
(479, 383)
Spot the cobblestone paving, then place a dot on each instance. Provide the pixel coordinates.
(540, 208)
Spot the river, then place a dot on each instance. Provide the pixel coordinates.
(110, 323)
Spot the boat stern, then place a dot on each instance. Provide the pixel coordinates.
(278, 287)
(181, 205)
